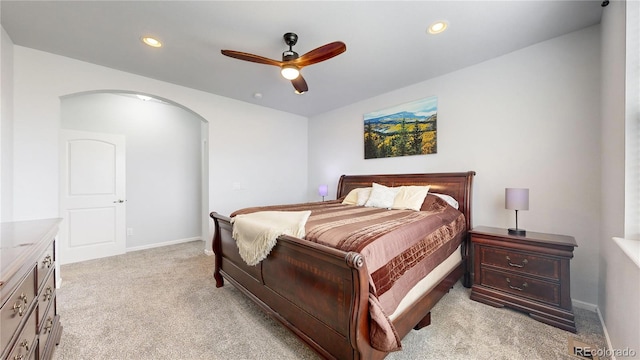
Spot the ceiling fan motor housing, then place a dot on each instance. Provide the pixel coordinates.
(289, 55)
(290, 39)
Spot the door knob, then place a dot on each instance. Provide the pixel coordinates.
(120, 201)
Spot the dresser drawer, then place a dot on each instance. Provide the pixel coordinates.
(24, 346)
(521, 262)
(45, 264)
(47, 326)
(16, 309)
(521, 286)
(46, 297)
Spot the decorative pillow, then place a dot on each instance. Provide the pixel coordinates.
(381, 196)
(351, 198)
(451, 201)
(410, 197)
(433, 203)
(363, 195)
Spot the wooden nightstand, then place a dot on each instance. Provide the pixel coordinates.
(528, 273)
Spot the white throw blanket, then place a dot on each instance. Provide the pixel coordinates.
(256, 233)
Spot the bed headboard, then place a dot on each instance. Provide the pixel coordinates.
(456, 185)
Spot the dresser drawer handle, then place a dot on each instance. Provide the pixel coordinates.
(25, 345)
(48, 260)
(48, 325)
(524, 285)
(17, 307)
(47, 294)
(524, 262)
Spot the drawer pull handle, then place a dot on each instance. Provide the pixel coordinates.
(48, 260)
(524, 285)
(524, 262)
(48, 326)
(17, 307)
(47, 293)
(25, 345)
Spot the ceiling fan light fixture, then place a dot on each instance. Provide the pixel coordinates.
(290, 72)
(437, 27)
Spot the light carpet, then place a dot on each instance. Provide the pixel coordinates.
(162, 303)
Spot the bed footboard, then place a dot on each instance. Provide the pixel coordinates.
(319, 293)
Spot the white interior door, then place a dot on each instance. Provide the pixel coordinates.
(92, 195)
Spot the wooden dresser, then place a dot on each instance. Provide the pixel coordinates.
(529, 273)
(29, 323)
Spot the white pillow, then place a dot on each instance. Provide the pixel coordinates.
(381, 196)
(351, 198)
(451, 201)
(363, 195)
(410, 197)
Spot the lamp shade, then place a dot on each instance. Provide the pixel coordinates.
(323, 190)
(516, 199)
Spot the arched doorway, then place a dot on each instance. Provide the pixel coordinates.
(166, 169)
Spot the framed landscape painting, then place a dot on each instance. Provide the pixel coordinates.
(407, 129)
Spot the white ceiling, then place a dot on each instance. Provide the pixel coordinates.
(387, 43)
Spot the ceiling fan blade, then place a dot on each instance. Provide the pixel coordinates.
(251, 57)
(322, 53)
(300, 84)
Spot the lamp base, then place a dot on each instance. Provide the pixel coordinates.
(517, 232)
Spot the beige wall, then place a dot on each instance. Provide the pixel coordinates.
(619, 277)
(526, 119)
(6, 127)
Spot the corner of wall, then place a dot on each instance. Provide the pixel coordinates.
(6, 126)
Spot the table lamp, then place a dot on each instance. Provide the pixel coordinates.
(516, 199)
(323, 190)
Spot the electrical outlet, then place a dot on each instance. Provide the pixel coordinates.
(129, 231)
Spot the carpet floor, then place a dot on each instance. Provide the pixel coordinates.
(162, 303)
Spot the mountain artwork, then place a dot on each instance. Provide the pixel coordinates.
(407, 129)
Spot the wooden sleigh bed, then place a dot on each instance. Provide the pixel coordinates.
(321, 293)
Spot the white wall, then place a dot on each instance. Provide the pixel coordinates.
(619, 277)
(250, 145)
(162, 162)
(6, 127)
(527, 119)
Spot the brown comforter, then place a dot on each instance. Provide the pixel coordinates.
(400, 247)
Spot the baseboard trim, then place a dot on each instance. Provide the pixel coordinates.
(592, 307)
(584, 305)
(166, 243)
(606, 334)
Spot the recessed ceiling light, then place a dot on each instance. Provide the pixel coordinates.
(437, 27)
(151, 41)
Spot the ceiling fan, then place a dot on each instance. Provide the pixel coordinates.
(291, 62)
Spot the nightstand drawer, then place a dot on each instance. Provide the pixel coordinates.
(521, 262)
(522, 286)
